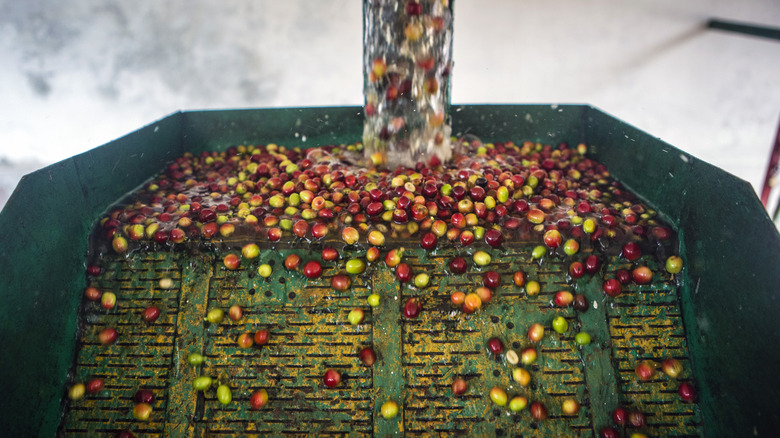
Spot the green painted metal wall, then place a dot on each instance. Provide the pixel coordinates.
(731, 247)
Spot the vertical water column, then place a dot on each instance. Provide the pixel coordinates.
(407, 60)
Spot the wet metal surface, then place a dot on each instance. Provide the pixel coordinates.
(417, 359)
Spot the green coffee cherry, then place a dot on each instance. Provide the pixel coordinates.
(195, 359)
(498, 396)
(224, 395)
(355, 266)
(264, 270)
(539, 252)
(215, 316)
(481, 258)
(355, 316)
(202, 383)
(582, 338)
(421, 280)
(518, 403)
(560, 325)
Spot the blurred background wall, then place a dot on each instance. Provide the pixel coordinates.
(79, 73)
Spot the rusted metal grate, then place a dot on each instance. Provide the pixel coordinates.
(417, 359)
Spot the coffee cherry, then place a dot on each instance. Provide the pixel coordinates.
(636, 419)
(411, 308)
(458, 265)
(495, 346)
(611, 287)
(518, 403)
(459, 386)
(367, 356)
(671, 367)
(332, 378)
(687, 392)
(620, 416)
(580, 303)
(538, 411)
(312, 269)
(258, 399)
(498, 396)
(389, 410)
(674, 264)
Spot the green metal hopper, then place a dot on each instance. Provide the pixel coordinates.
(717, 322)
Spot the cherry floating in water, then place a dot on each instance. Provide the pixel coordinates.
(563, 298)
(592, 264)
(372, 254)
(429, 190)
(403, 272)
(642, 275)
(329, 254)
(428, 241)
(312, 269)
(552, 238)
(494, 238)
(580, 303)
(631, 251)
(458, 265)
(340, 282)
(576, 269)
(661, 233)
(206, 215)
